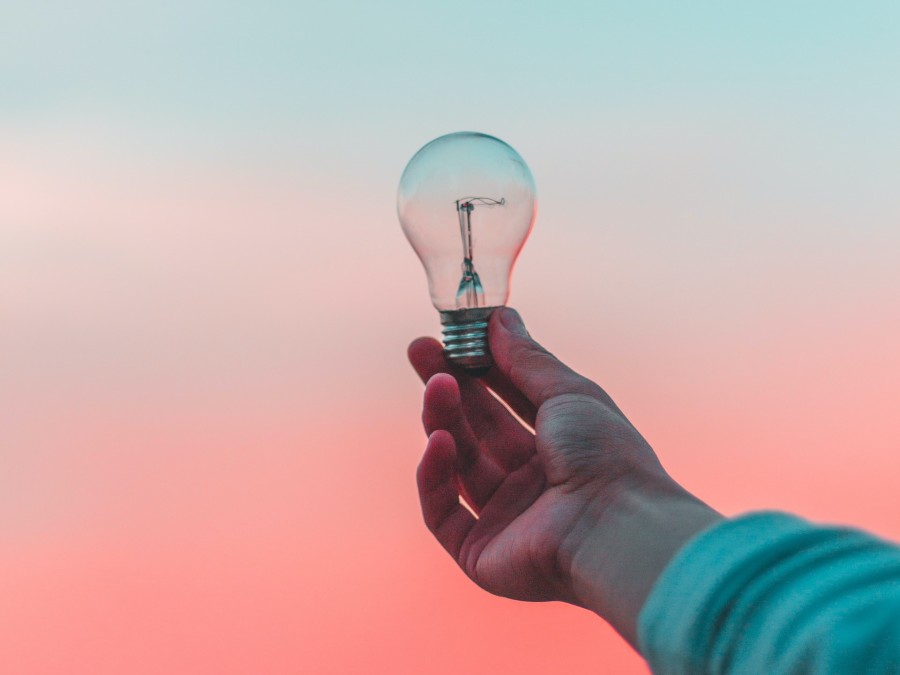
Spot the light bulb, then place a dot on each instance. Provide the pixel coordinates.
(466, 203)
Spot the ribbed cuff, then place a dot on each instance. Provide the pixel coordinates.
(681, 619)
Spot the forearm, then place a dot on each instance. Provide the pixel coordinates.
(625, 542)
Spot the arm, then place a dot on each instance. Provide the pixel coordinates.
(582, 511)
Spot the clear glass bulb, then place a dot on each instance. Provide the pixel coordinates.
(466, 203)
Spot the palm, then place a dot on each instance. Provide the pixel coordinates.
(521, 559)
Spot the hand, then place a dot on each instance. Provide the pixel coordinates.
(542, 499)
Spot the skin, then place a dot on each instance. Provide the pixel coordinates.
(570, 501)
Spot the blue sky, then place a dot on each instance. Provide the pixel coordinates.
(358, 67)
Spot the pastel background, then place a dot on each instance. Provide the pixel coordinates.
(208, 429)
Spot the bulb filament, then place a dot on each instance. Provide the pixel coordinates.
(470, 292)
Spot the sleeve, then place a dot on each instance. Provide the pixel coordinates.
(769, 593)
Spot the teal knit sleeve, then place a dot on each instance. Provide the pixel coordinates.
(768, 593)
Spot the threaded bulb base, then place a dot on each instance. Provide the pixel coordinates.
(466, 339)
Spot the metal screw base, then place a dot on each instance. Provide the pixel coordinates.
(466, 339)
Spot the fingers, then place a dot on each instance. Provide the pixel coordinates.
(448, 520)
(515, 399)
(479, 474)
(463, 535)
(530, 368)
(427, 357)
(500, 434)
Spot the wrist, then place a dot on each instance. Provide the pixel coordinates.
(626, 536)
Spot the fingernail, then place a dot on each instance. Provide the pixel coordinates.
(513, 322)
(437, 376)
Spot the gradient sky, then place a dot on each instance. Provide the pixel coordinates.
(208, 430)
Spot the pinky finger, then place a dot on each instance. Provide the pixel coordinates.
(449, 521)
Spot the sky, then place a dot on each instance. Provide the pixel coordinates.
(208, 429)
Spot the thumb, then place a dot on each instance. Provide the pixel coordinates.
(532, 369)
